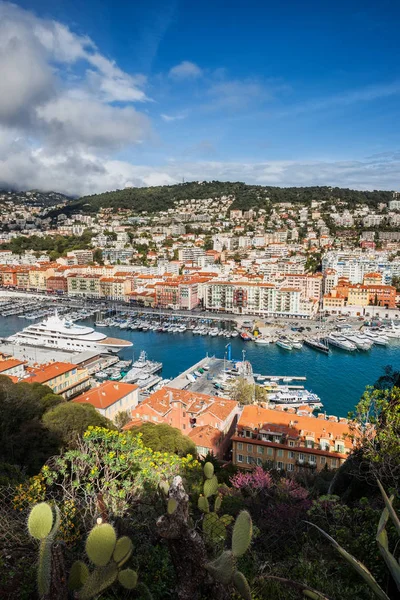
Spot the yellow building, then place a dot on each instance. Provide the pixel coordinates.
(358, 296)
(289, 442)
(38, 277)
(84, 285)
(114, 288)
(65, 379)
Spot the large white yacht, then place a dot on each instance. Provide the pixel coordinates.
(61, 334)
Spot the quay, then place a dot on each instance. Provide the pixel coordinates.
(33, 355)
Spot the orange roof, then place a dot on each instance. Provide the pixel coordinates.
(205, 435)
(264, 418)
(50, 371)
(106, 394)
(160, 402)
(5, 365)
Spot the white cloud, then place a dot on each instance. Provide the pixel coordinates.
(170, 118)
(50, 100)
(84, 122)
(185, 70)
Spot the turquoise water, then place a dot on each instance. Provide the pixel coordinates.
(339, 379)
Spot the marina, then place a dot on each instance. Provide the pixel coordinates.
(348, 372)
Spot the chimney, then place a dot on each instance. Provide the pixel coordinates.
(170, 396)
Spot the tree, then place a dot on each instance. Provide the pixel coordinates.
(243, 391)
(98, 256)
(376, 431)
(122, 418)
(164, 438)
(69, 420)
(24, 439)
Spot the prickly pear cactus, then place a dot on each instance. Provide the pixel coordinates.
(223, 568)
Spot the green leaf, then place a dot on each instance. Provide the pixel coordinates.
(356, 564)
(389, 506)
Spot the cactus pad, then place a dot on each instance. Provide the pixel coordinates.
(222, 567)
(217, 504)
(123, 550)
(210, 486)
(128, 579)
(98, 581)
(208, 470)
(77, 576)
(100, 544)
(240, 583)
(242, 532)
(40, 521)
(203, 504)
(164, 487)
(172, 506)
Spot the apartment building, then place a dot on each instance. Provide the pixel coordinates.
(65, 379)
(115, 288)
(38, 278)
(208, 420)
(110, 398)
(177, 293)
(355, 265)
(289, 442)
(84, 285)
(260, 299)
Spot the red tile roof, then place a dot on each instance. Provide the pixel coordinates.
(106, 394)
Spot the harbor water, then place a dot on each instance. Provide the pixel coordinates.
(338, 379)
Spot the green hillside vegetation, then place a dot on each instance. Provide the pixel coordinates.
(56, 245)
(153, 199)
(172, 526)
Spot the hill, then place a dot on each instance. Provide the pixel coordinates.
(33, 197)
(154, 199)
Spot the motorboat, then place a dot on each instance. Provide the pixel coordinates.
(317, 344)
(340, 342)
(261, 341)
(285, 344)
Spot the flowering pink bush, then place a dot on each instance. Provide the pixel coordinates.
(255, 480)
(289, 487)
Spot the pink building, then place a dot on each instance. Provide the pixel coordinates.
(208, 420)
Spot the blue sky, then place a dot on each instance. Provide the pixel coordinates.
(141, 93)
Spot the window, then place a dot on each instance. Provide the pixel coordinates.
(280, 466)
(249, 460)
(260, 450)
(249, 448)
(240, 446)
(340, 448)
(312, 459)
(291, 454)
(291, 444)
(240, 457)
(280, 453)
(309, 444)
(290, 467)
(322, 460)
(270, 451)
(334, 463)
(301, 457)
(259, 462)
